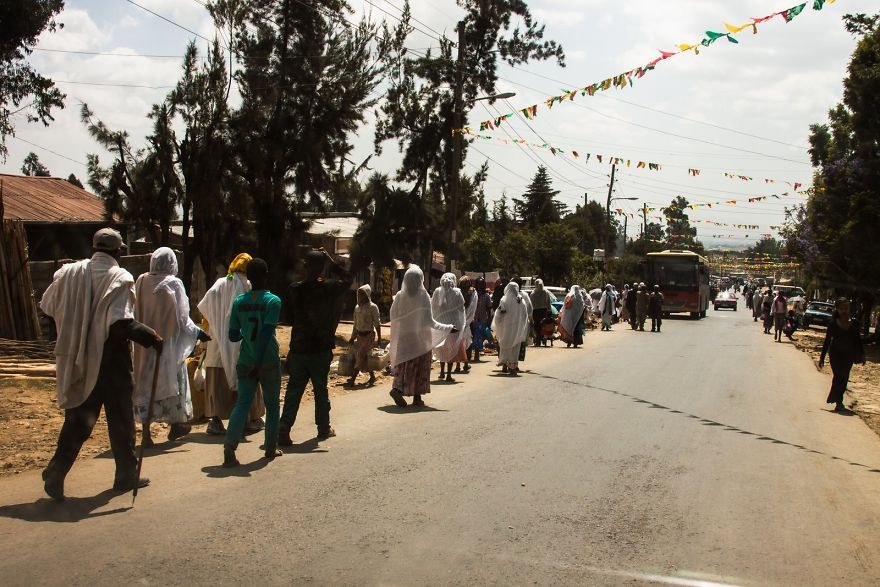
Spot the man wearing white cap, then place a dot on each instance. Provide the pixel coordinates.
(92, 302)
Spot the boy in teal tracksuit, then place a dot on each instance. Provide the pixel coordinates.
(255, 315)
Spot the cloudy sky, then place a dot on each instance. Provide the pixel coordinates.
(743, 109)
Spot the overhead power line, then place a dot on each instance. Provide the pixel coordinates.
(50, 151)
(168, 20)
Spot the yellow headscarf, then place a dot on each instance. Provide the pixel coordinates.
(239, 264)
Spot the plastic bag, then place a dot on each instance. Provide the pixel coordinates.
(346, 364)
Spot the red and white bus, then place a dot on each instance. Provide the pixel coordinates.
(683, 277)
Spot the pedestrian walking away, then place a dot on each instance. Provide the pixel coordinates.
(631, 301)
(313, 312)
(366, 334)
(221, 354)
(511, 327)
(447, 307)
(482, 318)
(843, 344)
(642, 306)
(655, 309)
(624, 309)
(571, 320)
(470, 312)
(757, 304)
(92, 304)
(607, 307)
(254, 317)
(540, 299)
(530, 310)
(162, 304)
(414, 335)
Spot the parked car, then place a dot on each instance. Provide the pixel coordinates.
(725, 299)
(818, 313)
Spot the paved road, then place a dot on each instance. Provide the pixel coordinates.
(700, 455)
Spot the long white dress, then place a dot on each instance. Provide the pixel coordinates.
(511, 325)
(447, 307)
(162, 304)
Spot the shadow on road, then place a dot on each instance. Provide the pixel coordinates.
(713, 423)
(72, 509)
(245, 470)
(393, 409)
(312, 445)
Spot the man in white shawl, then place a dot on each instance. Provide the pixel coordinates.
(162, 304)
(221, 380)
(511, 324)
(91, 303)
(608, 307)
(447, 306)
(414, 334)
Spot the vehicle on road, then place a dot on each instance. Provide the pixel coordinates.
(726, 299)
(683, 277)
(790, 291)
(819, 314)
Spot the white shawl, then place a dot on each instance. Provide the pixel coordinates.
(511, 319)
(572, 313)
(85, 299)
(162, 304)
(414, 332)
(216, 308)
(447, 306)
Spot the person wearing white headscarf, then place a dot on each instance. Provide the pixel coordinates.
(365, 334)
(608, 307)
(571, 323)
(470, 312)
(624, 296)
(162, 304)
(447, 306)
(414, 335)
(540, 299)
(221, 380)
(511, 325)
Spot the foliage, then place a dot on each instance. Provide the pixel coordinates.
(861, 24)
(72, 179)
(588, 222)
(538, 205)
(766, 246)
(835, 234)
(22, 89)
(679, 232)
(479, 251)
(386, 232)
(33, 167)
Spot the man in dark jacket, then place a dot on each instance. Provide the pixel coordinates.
(655, 309)
(631, 298)
(313, 312)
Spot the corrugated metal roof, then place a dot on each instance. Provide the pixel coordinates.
(48, 199)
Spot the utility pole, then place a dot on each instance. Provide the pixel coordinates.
(623, 249)
(645, 220)
(608, 217)
(457, 115)
(586, 221)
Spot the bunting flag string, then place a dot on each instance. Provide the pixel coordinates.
(625, 79)
(620, 161)
(634, 216)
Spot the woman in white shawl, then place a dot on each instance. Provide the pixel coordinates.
(608, 307)
(447, 306)
(221, 356)
(571, 322)
(511, 326)
(470, 312)
(414, 334)
(162, 304)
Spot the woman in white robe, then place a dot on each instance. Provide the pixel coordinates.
(470, 312)
(162, 304)
(511, 325)
(447, 306)
(414, 334)
(571, 322)
(608, 307)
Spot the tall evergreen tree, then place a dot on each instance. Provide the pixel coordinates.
(33, 167)
(538, 206)
(679, 232)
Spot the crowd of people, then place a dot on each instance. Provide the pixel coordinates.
(98, 307)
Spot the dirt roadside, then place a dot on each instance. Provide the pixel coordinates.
(30, 419)
(864, 391)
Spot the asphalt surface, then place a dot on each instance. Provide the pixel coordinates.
(700, 455)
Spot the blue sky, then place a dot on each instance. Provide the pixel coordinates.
(772, 85)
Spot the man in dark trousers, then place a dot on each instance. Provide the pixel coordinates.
(313, 313)
(92, 303)
(631, 305)
(655, 309)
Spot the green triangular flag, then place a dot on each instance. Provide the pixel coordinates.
(732, 40)
(818, 4)
(794, 11)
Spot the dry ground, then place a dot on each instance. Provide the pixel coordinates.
(30, 420)
(864, 383)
